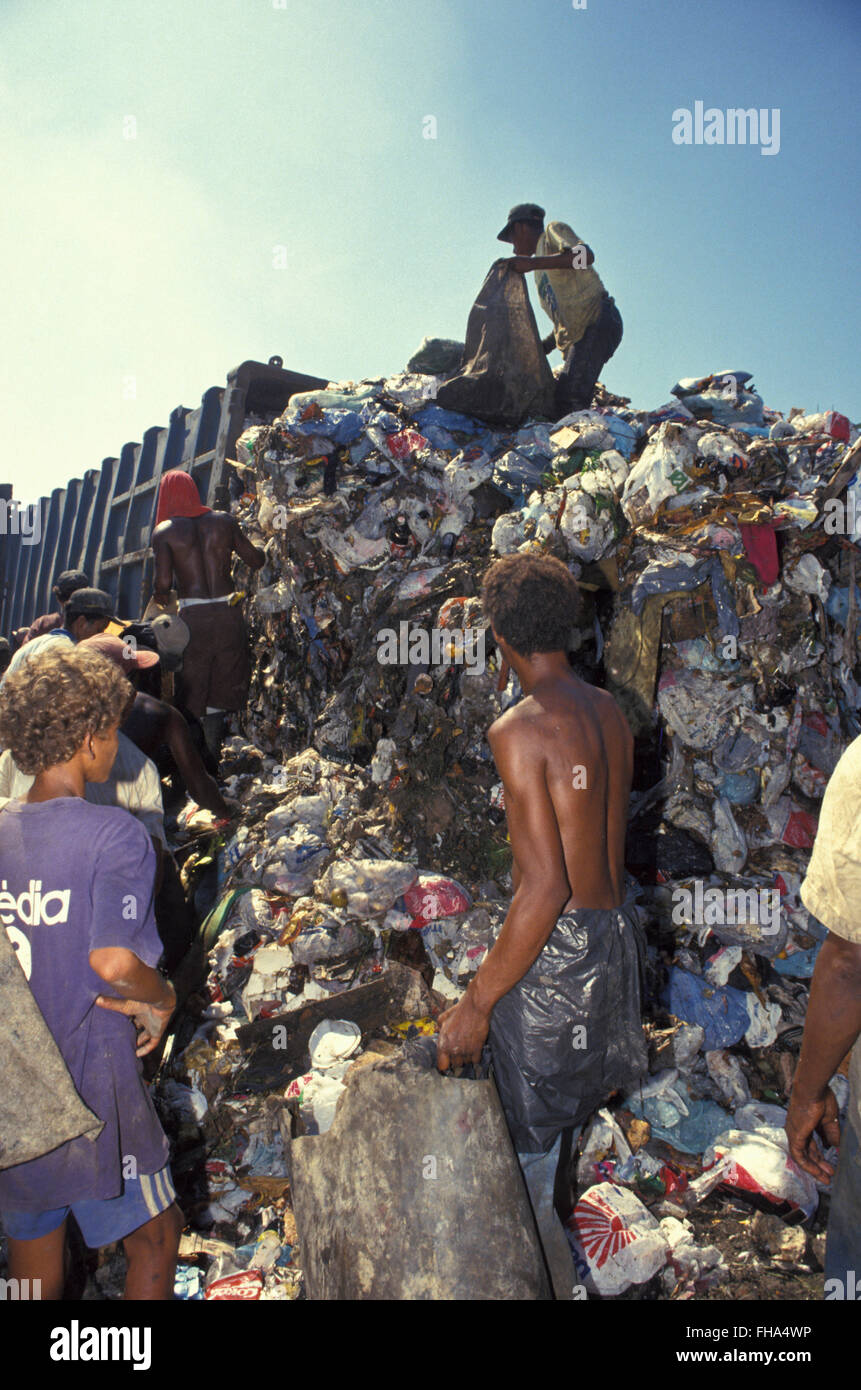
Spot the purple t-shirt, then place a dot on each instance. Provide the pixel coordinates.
(74, 877)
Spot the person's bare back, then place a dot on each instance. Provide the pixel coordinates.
(197, 551)
(568, 749)
(565, 757)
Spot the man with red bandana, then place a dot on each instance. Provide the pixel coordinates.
(193, 546)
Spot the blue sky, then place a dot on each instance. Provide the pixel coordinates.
(139, 271)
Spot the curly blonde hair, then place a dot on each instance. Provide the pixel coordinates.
(52, 702)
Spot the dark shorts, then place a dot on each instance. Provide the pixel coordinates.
(569, 1033)
(585, 361)
(216, 664)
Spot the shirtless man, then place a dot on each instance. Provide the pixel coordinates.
(194, 545)
(558, 993)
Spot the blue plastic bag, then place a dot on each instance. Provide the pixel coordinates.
(720, 1012)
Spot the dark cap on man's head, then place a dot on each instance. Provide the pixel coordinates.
(68, 582)
(90, 603)
(522, 212)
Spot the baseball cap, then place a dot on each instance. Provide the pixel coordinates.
(68, 582)
(122, 654)
(521, 212)
(90, 603)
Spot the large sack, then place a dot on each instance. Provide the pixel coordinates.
(39, 1106)
(415, 1192)
(505, 377)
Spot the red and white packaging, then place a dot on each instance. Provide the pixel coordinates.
(404, 443)
(789, 823)
(246, 1286)
(615, 1240)
(432, 897)
(759, 1162)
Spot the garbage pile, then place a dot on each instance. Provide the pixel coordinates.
(714, 544)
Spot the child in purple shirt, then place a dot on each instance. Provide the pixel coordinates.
(76, 889)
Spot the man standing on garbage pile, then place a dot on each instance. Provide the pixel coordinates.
(559, 992)
(587, 325)
(87, 612)
(194, 544)
(66, 584)
(832, 892)
(78, 881)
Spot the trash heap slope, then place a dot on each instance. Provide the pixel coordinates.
(714, 544)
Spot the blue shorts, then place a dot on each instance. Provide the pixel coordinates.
(101, 1220)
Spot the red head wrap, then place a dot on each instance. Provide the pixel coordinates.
(178, 496)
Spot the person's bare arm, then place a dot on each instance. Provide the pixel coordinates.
(831, 1028)
(138, 991)
(541, 892)
(569, 259)
(163, 576)
(250, 554)
(201, 787)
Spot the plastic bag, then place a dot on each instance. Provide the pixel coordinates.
(433, 896)
(418, 1147)
(555, 1065)
(39, 1106)
(721, 1013)
(505, 377)
(760, 1163)
(369, 885)
(683, 1120)
(658, 474)
(436, 356)
(615, 1240)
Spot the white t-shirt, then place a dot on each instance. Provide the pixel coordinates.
(34, 647)
(134, 785)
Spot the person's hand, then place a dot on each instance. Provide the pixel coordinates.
(149, 1020)
(521, 263)
(802, 1120)
(462, 1035)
